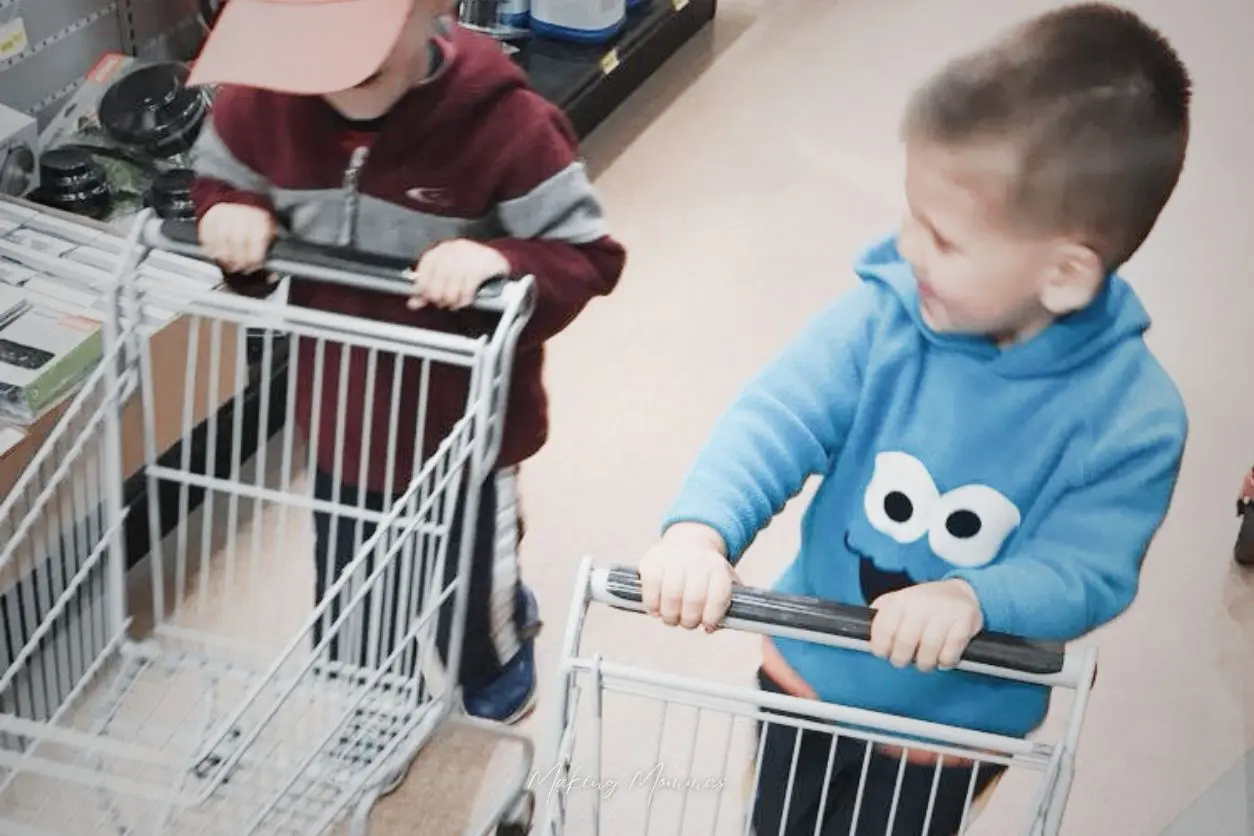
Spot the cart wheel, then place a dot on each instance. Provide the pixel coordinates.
(518, 820)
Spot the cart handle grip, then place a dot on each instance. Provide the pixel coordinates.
(844, 625)
(335, 265)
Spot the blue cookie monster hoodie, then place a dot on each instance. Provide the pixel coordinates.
(1039, 473)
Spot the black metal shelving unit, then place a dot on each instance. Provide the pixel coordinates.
(590, 82)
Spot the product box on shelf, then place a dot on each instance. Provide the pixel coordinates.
(60, 269)
(79, 117)
(19, 148)
(44, 355)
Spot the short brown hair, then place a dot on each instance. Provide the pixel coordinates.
(1093, 105)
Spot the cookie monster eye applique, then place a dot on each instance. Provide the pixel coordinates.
(970, 524)
(965, 527)
(901, 497)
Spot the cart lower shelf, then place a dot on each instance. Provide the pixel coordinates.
(207, 742)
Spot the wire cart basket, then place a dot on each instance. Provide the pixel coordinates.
(194, 694)
(700, 773)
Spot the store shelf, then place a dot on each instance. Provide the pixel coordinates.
(62, 42)
(590, 82)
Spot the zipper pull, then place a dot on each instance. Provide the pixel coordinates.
(352, 177)
(355, 163)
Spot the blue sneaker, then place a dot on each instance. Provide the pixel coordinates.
(528, 614)
(511, 697)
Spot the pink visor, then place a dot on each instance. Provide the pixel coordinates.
(306, 47)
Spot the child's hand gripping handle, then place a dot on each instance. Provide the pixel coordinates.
(842, 625)
(335, 265)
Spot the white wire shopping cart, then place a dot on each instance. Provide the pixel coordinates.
(199, 698)
(644, 751)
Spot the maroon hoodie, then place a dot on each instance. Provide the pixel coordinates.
(473, 153)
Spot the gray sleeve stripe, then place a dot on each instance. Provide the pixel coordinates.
(562, 208)
(211, 158)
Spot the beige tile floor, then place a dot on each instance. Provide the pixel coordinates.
(743, 178)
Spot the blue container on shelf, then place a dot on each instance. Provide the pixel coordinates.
(515, 12)
(579, 21)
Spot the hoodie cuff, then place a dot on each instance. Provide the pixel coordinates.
(990, 591)
(728, 528)
(208, 193)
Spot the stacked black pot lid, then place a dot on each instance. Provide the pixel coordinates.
(151, 110)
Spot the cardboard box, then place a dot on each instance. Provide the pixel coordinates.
(44, 355)
(79, 116)
(63, 266)
(19, 144)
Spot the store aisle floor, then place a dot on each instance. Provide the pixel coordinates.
(743, 180)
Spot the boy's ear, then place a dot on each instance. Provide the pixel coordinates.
(1073, 281)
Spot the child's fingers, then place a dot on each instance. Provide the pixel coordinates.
(436, 291)
(450, 287)
(931, 644)
(652, 569)
(696, 584)
(672, 595)
(219, 245)
(235, 253)
(955, 645)
(884, 626)
(425, 277)
(906, 640)
(416, 298)
(467, 289)
(650, 590)
(238, 238)
(717, 600)
(433, 282)
(239, 245)
(256, 245)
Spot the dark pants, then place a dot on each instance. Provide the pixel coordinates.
(337, 539)
(880, 787)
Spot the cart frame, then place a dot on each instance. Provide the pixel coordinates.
(586, 674)
(80, 700)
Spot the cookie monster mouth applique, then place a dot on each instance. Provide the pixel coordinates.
(919, 534)
(875, 581)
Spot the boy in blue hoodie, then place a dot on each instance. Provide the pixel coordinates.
(996, 443)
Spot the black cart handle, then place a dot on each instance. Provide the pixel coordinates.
(319, 262)
(844, 625)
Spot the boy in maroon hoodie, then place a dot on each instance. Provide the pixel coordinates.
(381, 125)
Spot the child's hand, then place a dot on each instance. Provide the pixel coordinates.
(450, 274)
(237, 236)
(686, 578)
(930, 624)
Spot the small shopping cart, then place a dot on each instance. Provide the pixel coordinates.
(638, 750)
(194, 693)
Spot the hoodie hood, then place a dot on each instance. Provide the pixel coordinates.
(1114, 316)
